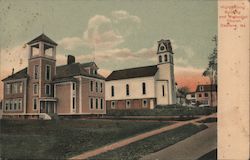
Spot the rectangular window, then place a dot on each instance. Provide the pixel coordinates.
(127, 89)
(34, 103)
(15, 104)
(14, 88)
(96, 103)
(128, 103)
(10, 104)
(47, 89)
(19, 104)
(91, 103)
(73, 103)
(112, 104)
(144, 103)
(8, 88)
(48, 72)
(36, 72)
(91, 86)
(101, 87)
(206, 94)
(112, 91)
(74, 86)
(35, 89)
(6, 105)
(101, 103)
(20, 89)
(163, 91)
(96, 86)
(143, 88)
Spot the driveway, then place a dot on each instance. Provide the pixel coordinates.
(189, 149)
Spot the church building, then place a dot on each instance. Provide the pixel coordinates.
(143, 87)
(43, 89)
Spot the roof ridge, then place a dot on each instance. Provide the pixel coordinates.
(134, 68)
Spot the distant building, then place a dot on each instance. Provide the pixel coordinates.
(44, 88)
(204, 94)
(143, 87)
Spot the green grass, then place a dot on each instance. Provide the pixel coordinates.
(152, 144)
(36, 139)
(172, 110)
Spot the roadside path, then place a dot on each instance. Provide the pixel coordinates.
(127, 141)
(189, 149)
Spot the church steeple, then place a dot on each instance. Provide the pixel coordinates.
(164, 52)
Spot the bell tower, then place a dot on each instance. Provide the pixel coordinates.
(166, 82)
(41, 71)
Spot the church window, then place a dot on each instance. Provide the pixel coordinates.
(163, 91)
(127, 89)
(143, 88)
(112, 91)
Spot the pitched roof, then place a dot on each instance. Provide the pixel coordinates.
(74, 69)
(42, 38)
(88, 64)
(145, 71)
(206, 88)
(18, 75)
(63, 73)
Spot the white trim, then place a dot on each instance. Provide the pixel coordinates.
(15, 80)
(90, 78)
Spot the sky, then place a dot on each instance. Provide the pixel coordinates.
(116, 34)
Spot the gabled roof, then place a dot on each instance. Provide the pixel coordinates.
(74, 69)
(88, 64)
(167, 44)
(42, 38)
(206, 88)
(145, 71)
(18, 75)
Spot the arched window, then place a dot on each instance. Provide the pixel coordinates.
(160, 59)
(166, 58)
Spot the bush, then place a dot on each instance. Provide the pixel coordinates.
(173, 110)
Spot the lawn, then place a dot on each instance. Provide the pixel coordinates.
(36, 139)
(152, 144)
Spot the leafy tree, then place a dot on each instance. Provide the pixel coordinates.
(182, 92)
(211, 70)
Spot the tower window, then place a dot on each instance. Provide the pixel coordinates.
(48, 73)
(166, 58)
(143, 88)
(112, 91)
(127, 89)
(160, 59)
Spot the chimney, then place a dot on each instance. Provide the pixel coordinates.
(71, 59)
(13, 71)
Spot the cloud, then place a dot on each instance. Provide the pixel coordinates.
(103, 32)
(122, 15)
(71, 43)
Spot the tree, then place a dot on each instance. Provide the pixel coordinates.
(183, 91)
(211, 70)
